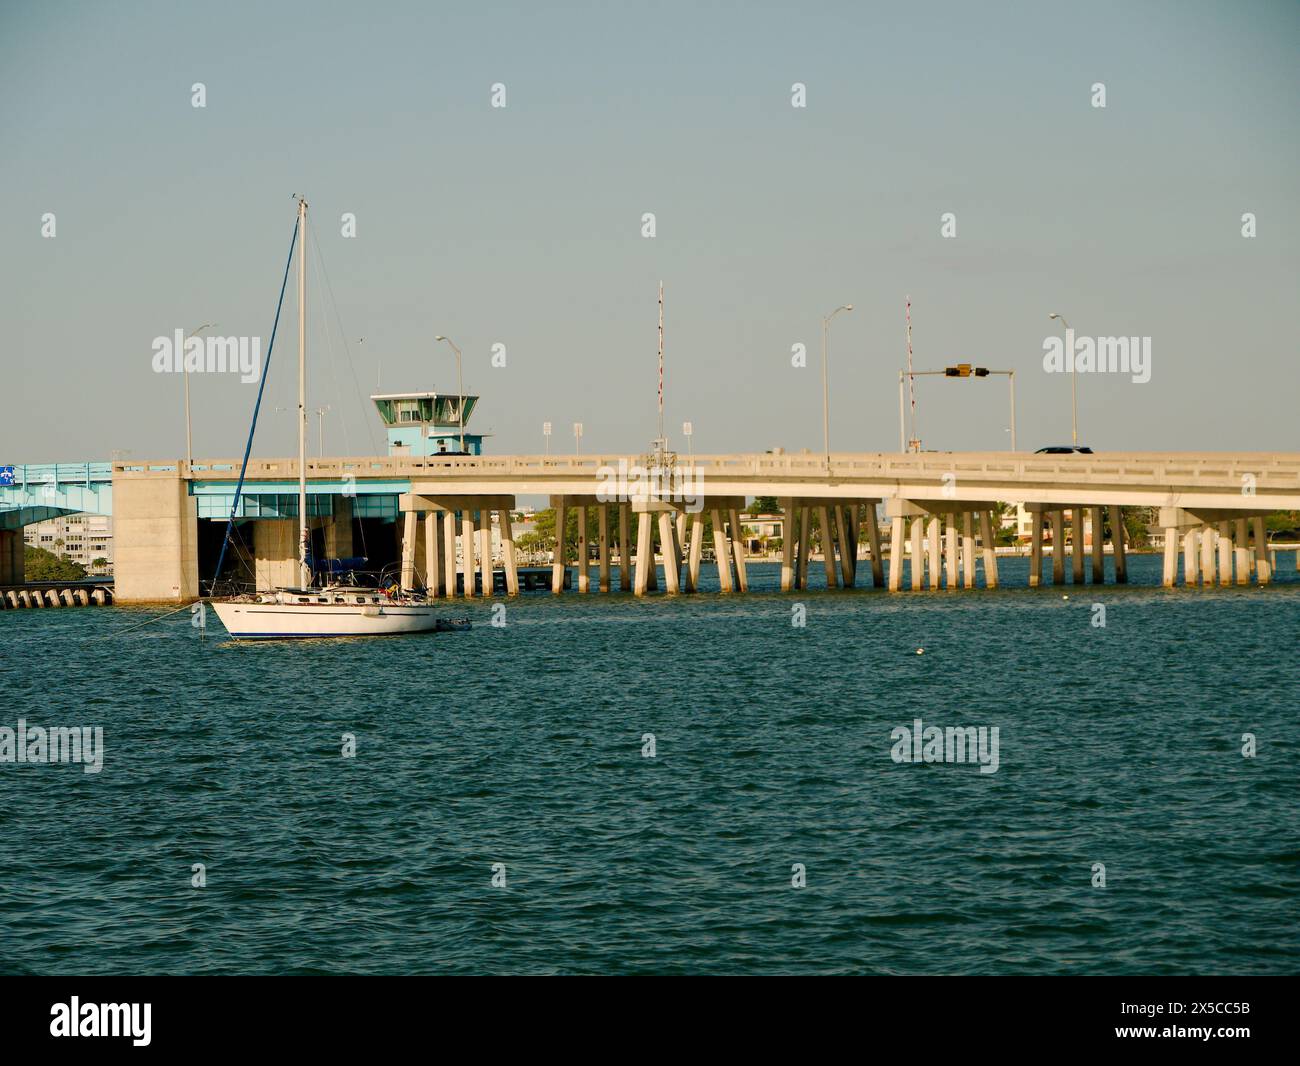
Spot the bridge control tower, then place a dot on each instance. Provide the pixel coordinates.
(428, 423)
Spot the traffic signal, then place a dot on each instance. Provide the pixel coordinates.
(965, 370)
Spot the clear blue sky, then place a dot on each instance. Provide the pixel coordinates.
(522, 225)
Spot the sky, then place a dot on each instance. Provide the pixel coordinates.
(522, 225)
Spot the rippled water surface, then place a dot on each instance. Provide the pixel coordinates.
(522, 745)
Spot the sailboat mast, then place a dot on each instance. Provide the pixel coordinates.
(303, 542)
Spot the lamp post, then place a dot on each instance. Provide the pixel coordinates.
(320, 413)
(826, 391)
(577, 438)
(189, 447)
(1074, 388)
(688, 431)
(546, 432)
(460, 384)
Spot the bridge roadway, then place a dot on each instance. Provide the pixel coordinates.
(943, 502)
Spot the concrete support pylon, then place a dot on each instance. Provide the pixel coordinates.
(509, 560)
(934, 552)
(602, 546)
(1191, 562)
(1241, 550)
(953, 549)
(721, 552)
(410, 527)
(624, 547)
(672, 560)
(1263, 563)
(1098, 546)
(828, 546)
(485, 553)
(1209, 537)
(1225, 553)
(432, 560)
(873, 544)
(467, 538)
(968, 551)
(1076, 545)
(805, 544)
(1058, 547)
(696, 552)
(1036, 550)
(738, 550)
(1118, 535)
(12, 552)
(848, 543)
(787, 544)
(558, 563)
(896, 554)
(918, 554)
(645, 556)
(584, 568)
(449, 553)
(1169, 575)
(990, 550)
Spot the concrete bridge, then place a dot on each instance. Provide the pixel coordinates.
(441, 508)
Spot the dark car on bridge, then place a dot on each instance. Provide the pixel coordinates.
(1064, 449)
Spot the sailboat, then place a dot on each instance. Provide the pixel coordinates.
(327, 609)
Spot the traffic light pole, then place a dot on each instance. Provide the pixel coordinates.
(961, 370)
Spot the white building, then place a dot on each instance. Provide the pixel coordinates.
(81, 538)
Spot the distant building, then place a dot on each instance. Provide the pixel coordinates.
(81, 538)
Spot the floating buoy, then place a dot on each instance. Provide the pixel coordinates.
(920, 651)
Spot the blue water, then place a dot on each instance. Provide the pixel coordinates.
(522, 745)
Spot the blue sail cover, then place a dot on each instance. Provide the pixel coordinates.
(337, 566)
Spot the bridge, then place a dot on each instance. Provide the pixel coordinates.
(169, 515)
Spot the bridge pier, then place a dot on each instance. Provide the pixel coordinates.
(1098, 545)
(155, 534)
(1224, 540)
(942, 549)
(1241, 552)
(1213, 542)
(1076, 545)
(11, 557)
(1263, 562)
(1118, 533)
(432, 556)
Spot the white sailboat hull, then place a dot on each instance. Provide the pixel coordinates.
(281, 621)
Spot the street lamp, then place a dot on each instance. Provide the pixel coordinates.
(1074, 388)
(189, 447)
(546, 432)
(320, 413)
(460, 384)
(577, 437)
(826, 391)
(688, 431)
